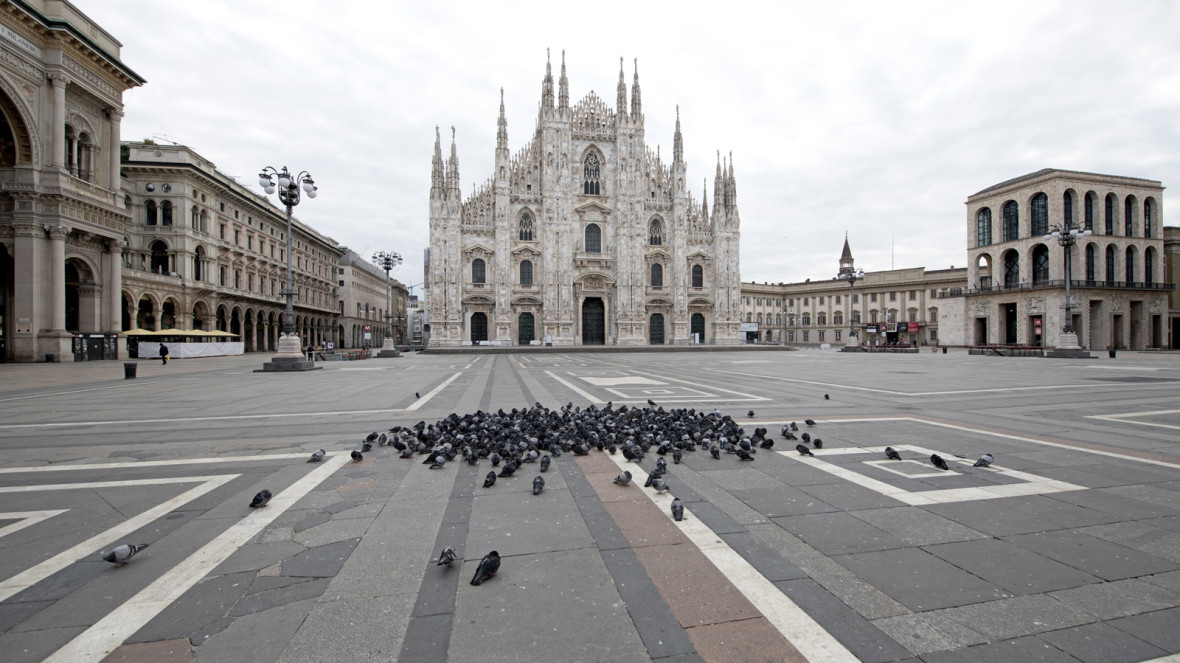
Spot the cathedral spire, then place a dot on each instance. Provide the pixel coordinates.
(677, 140)
(621, 109)
(705, 201)
(436, 170)
(547, 85)
(563, 87)
(502, 129)
(636, 104)
(718, 188)
(731, 186)
(453, 165)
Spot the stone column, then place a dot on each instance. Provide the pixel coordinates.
(115, 149)
(114, 289)
(59, 119)
(57, 275)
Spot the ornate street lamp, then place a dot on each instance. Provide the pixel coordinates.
(387, 260)
(1067, 235)
(851, 275)
(290, 355)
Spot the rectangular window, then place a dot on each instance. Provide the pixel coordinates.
(913, 295)
(250, 282)
(872, 316)
(238, 237)
(872, 297)
(791, 302)
(933, 316)
(837, 299)
(933, 293)
(892, 296)
(855, 298)
(222, 275)
(913, 316)
(821, 337)
(837, 334)
(933, 334)
(821, 300)
(805, 335)
(223, 231)
(778, 301)
(238, 279)
(805, 300)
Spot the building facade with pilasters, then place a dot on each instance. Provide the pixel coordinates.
(584, 236)
(62, 215)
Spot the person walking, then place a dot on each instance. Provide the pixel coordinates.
(163, 353)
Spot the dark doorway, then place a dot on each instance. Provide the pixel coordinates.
(479, 327)
(655, 329)
(980, 331)
(593, 321)
(72, 298)
(697, 324)
(1009, 323)
(524, 329)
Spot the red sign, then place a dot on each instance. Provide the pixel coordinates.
(913, 326)
(368, 327)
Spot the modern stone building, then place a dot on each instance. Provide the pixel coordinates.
(583, 236)
(1172, 272)
(891, 306)
(62, 215)
(202, 251)
(363, 300)
(1016, 290)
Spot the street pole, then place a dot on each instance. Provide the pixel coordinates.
(1067, 235)
(852, 344)
(388, 260)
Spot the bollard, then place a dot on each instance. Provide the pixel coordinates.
(1111, 352)
(944, 349)
(129, 370)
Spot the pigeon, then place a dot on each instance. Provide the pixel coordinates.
(417, 395)
(508, 469)
(790, 436)
(938, 462)
(545, 463)
(624, 478)
(750, 414)
(538, 485)
(366, 446)
(651, 402)
(715, 452)
(984, 461)
(892, 454)
(656, 474)
(261, 499)
(495, 458)
(809, 422)
(316, 456)
(661, 465)
(742, 454)
(438, 462)
(803, 450)
(660, 485)
(123, 554)
(489, 479)
(382, 440)
(447, 556)
(372, 437)
(794, 427)
(806, 438)
(487, 568)
(676, 456)
(817, 443)
(357, 456)
(677, 509)
(826, 397)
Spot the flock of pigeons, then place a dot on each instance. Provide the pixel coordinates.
(511, 440)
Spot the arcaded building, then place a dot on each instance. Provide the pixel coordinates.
(585, 235)
(1118, 283)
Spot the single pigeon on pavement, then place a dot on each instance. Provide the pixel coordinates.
(357, 456)
(487, 568)
(538, 485)
(545, 463)
(624, 478)
(892, 454)
(261, 499)
(938, 462)
(447, 556)
(489, 479)
(803, 450)
(316, 456)
(677, 509)
(984, 461)
(120, 555)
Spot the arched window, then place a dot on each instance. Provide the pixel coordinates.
(749, 317)
(1147, 216)
(159, 257)
(655, 232)
(983, 227)
(1129, 217)
(526, 272)
(837, 318)
(1110, 264)
(1089, 220)
(759, 318)
(1011, 221)
(84, 150)
(778, 319)
(593, 238)
(1040, 215)
(821, 318)
(1091, 263)
(806, 320)
(1110, 214)
(657, 275)
(1040, 258)
(1149, 265)
(1130, 265)
(478, 271)
(698, 276)
(1067, 208)
(526, 226)
(71, 144)
(205, 224)
(590, 182)
(149, 212)
(196, 218)
(198, 262)
(166, 213)
(1011, 269)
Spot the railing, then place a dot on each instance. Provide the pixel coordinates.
(1006, 350)
(1060, 283)
(895, 348)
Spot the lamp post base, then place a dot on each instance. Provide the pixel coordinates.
(852, 345)
(290, 357)
(388, 350)
(1068, 348)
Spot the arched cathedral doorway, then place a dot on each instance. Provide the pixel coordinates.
(593, 321)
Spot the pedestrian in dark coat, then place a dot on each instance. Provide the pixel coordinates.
(164, 353)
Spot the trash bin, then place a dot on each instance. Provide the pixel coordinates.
(1111, 352)
(944, 349)
(48, 359)
(129, 370)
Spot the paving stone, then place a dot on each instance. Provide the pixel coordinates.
(792, 472)
(770, 563)
(1120, 598)
(162, 651)
(506, 523)
(785, 501)
(261, 636)
(35, 646)
(1030, 649)
(426, 639)
(263, 583)
(850, 497)
(916, 526)
(1019, 515)
(745, 640)
(260, 601)
(1157, 628)
(321, 561)
(204, 603)
(695, 590)
(927, 632)
(1095, 556)
(919, 580)
(369, 510)
(1113, 503)
(1011, 567)
(745, 477)
(65, 581)
(1140, 536)
(312, 519)
(867, 642)
(332, 531)
(1016, 617)
(256, 556)
(1099, 643)
(340, 506)
(634, 520)
(12, 614)
(1169, 580)
(1163, 497)
(713, 517)
(661, 633)
(838, 533)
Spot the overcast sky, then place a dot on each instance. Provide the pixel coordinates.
(875, 118)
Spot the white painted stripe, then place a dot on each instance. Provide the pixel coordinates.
(575, 388)
(748, 397)
(432, 393)
(95, 643)
(232, 417)
(27, 578)
(803, 632)
(26, 518)
(103, 484)
(1126, 418)
(60, 467)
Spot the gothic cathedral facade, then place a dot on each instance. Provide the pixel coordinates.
(583, 237)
